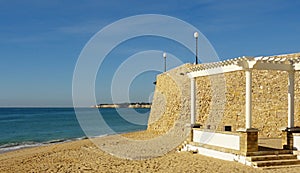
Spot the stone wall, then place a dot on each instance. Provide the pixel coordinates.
(171, 99)
(221, 100)
(269, 98)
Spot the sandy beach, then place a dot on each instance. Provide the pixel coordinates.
(84, 156)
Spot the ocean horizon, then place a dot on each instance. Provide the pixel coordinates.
(22, 127)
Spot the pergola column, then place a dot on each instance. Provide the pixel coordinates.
(248, 98)
(291, 107)
(193, 101)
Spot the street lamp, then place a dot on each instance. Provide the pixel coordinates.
(165, 61)
(196, 35)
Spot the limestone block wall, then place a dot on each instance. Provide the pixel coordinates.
(221, 100)
(171, 99)
(270, 89)
(297, 99)
(270, 105)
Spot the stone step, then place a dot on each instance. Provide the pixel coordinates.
(276, 163)
(279, 167)
(272, 157)
(263, 153)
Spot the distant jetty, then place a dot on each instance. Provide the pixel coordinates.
(124, 105)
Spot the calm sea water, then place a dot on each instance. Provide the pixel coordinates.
(26, 127)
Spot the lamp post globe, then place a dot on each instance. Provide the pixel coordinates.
(196, 35)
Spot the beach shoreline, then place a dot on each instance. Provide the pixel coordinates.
(84, 156)
(15, 146)
(11, 148)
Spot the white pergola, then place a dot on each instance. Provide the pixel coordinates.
(289, 63)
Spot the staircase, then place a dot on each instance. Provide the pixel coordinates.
(273, 159)
(265, 158)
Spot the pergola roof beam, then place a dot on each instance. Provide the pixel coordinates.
(297, 67)
(213, 71)
(281, 63)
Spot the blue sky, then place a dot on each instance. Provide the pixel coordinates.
(40, 41)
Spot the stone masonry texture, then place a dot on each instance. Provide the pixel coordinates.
(220, 100)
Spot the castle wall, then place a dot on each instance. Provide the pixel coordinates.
(171, 99)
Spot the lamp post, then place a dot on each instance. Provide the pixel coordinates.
(165, 61)
(196, 35)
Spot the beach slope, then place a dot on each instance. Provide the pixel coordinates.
(84, 156)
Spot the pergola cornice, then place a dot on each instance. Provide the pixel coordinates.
(281, 63)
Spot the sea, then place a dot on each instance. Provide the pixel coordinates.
(29, 127)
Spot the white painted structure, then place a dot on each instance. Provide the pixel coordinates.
(296, 141)
(282, 63)
(217, 154)
(291, 107)
(193, 101)
(296, 144)
(229, 141)
(248, 98)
